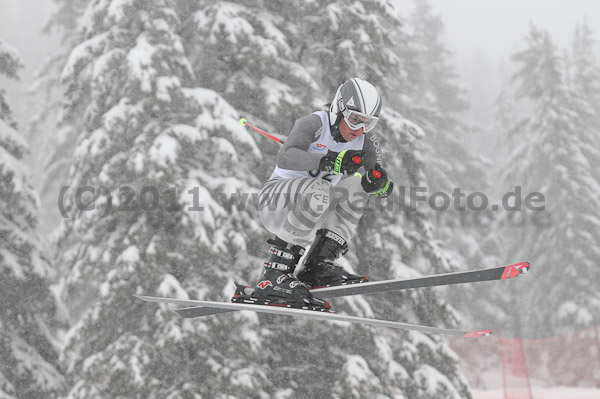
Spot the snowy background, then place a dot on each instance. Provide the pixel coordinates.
(139, 100)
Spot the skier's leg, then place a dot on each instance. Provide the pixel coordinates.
(290, 208)
(339, 226)
(348, 205)
(310, 204)
(277, 198)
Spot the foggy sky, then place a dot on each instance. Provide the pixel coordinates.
(499, 26)
(486, 33)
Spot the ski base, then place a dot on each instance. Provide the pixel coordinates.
(246, 299)
(243, 294)
(194, 304)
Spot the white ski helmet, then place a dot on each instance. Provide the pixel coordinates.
(358, 102)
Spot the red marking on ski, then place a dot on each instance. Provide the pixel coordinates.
(477, 334)
(515, 270)
(281, 305)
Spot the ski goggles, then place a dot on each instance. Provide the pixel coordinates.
(355, 120)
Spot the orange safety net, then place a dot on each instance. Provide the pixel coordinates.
(495, 362)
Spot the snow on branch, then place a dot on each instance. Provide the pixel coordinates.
(9, 60)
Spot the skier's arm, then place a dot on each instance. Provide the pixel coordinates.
(373, 151)
(375, 180)
(294, 153)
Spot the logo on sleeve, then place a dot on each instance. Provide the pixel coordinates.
(319, 147)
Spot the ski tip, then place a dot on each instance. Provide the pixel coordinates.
(146, 298)
(477, 334)
(515, 270)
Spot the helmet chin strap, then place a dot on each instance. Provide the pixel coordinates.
(335, 130)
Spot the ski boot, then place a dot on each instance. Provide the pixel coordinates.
(319, 267)
(278, 286)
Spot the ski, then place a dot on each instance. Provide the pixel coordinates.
(280, 310)
(472, 276)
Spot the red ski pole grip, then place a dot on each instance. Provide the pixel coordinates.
(357, 160)
(376, 174)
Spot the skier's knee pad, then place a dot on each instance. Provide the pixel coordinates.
(317, 197)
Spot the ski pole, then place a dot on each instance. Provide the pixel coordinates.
(244, 122)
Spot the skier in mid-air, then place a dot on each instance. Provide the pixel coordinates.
(300, 205)
(321, 155)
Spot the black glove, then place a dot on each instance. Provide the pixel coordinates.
(376, 182)
(346, 162)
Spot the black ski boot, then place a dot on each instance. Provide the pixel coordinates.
(319, 267)
(278, 286)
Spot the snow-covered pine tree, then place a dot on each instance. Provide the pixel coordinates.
(157, 144)
(437, 102)
(254, 56)
(27, 347)
(494, 303)
(555, 153)
(585, 80)
(436, 76)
